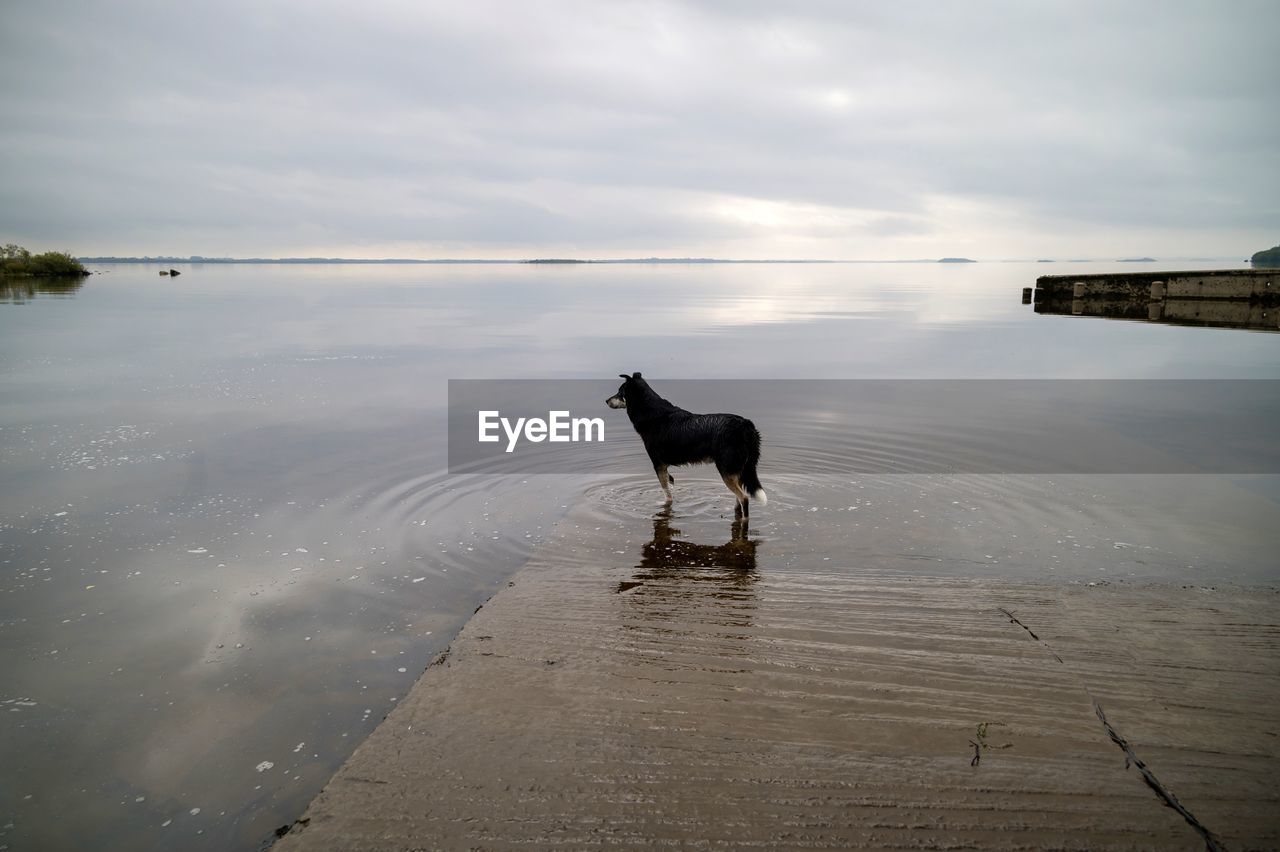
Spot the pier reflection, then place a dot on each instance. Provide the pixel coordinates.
(1245, 299)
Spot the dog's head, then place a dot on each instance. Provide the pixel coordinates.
(619, 399)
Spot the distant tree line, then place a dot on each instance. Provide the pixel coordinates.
(16, 261)
(1267, 257)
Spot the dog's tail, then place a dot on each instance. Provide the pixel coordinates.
(751, 481)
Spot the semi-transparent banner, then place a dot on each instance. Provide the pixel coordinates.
(516, 426)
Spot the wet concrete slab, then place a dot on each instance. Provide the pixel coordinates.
(696, 701)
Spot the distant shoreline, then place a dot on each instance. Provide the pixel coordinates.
(454, 261)
(299, 261)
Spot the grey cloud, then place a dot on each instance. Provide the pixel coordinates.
(271, 128)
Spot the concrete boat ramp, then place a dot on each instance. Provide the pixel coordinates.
(693, 701)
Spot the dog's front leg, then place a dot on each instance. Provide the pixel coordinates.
(664, 479)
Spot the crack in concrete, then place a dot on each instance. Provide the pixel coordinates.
(1211, 841)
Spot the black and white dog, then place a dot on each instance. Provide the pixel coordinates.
(673, 436)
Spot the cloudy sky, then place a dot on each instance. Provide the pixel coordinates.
(838, 129)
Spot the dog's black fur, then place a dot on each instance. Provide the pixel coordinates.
(673, 436)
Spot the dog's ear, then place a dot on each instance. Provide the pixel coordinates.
(636, 374)
(623, 376)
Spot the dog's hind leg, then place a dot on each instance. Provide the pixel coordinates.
(664, 479)
(734, 483)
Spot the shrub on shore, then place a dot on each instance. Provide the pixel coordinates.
(17, 261)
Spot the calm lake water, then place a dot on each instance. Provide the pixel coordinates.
(229, 540)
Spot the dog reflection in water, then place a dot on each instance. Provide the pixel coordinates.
(670, 562)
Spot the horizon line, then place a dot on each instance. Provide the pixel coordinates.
(571, 261)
